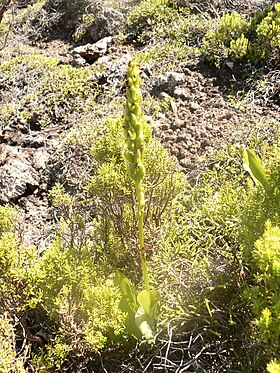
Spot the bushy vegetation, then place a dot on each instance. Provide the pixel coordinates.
(169, 32)
(52, 91)
(197, 255)
(239, 39)
(211, 241)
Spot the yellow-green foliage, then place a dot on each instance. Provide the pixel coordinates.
(8, 360)
(274, 366)
(24, 16)
(267, 253)
(81, 30)
(20, 19)
(53, 355)
(203, 233)
(169, 33)
(228, 39)
(235, 38)
(79, 297)
(15, 264)
(113, 191)
(239, 47)
(268, 30)
(262, 205)
(39, 90)
(264, 254)
(152, 18)
(265, 295)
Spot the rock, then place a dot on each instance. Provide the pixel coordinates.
(181, 93)
(40, 159)
(91, 52)
(17, 176)
(113, 76)
(204, 143)
(163, 126)
(194, 106)
(107, 21)
(167, 83)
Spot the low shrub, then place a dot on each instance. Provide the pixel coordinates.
(169, 33)
(46, 91)
(9, 362)
(238, 39)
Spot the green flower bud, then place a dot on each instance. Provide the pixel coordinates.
(134, 133)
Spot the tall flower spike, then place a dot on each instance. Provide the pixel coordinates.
(134, 133)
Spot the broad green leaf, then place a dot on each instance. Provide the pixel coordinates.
(127, 291)
(143, 325)
(253, 165)
(128, 303)
(148, 300)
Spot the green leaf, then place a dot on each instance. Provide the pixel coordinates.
(143, 325)
(253, 165)
(127, 291)
(128, 303)
(148, 300)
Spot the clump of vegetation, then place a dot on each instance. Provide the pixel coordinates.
(58, 19)
(168, 31)
(263, 294)
(211, 244)
(52, 92)
(239, 39)
(86, 21)
(8, 355)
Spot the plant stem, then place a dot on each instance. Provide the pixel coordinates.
(140, 195)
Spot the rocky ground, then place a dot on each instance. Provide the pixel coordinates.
(200, 117)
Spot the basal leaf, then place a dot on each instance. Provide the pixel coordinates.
(148, 300)
(128, 303)
(253, 165)
(143, 325)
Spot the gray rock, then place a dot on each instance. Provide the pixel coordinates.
(17, 176)
(181, 93)
(167, 83)
(194, 106)
(91, 52)
(114, 74)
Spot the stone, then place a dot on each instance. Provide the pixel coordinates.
(194, 106)
(181, 93)
(17, 176)
(91, 52)
(167, 83)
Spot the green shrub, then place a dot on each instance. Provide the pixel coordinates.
(268, 32)
(274, 366)
(79, 298)
(263, 292)
(112, 189)
(9, 362)
(264, 296)
(81, 30)
(16, 263)
(52, 92)
(227, 40)
(262, 204)
(170, 34)
(238, 39)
